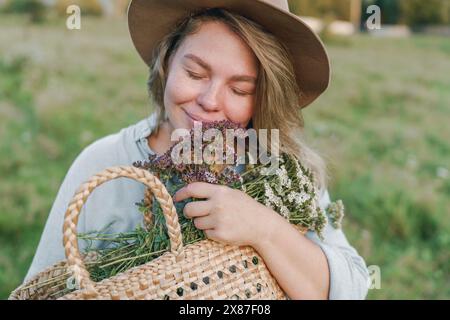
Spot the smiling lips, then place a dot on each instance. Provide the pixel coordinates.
(195, 118)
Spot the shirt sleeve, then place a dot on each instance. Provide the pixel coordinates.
(348, 271)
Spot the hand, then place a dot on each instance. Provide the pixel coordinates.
(227, 215)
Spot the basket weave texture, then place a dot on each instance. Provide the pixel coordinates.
(203, 270)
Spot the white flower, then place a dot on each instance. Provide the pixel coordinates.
(267, 203)
(314, 208)
(298, 170)
(298, 198)
(301, 176)
(336, 213)
(271, 198)
(284, 211)
(283, 179)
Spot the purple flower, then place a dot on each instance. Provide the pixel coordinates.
(215, 171)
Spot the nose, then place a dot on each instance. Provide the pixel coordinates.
(209, 98)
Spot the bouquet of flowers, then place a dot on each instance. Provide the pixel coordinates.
(290, 192)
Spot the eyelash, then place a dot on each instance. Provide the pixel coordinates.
(195, 77)
(241, 94)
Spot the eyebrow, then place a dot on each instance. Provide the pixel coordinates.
(206, 66)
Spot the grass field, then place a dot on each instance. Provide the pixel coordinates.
(383, 126)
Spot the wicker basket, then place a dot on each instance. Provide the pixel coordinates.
(203, 270)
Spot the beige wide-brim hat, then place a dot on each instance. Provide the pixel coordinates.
(150, 20)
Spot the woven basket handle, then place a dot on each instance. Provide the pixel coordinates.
(74, 260)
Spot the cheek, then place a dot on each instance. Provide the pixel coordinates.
(178, 90)
(240, 112)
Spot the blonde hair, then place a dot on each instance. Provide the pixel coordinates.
(277, 92)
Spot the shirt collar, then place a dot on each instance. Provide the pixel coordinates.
(143, 129)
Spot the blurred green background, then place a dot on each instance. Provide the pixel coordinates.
(383, 126)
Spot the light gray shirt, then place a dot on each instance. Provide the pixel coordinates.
(115, 201)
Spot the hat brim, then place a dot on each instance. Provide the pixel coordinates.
(150, 20)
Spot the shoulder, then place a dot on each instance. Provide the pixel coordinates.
(98, 155)
(120, 148)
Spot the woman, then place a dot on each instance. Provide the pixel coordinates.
(215, 64)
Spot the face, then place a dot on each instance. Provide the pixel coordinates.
(211, 77)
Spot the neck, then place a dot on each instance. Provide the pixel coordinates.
(160, 141)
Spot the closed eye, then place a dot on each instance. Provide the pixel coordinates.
(194, 75)
(241, 93)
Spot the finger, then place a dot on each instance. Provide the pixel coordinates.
(195, 190)
(197, 209)
(212, 234)
(204, 223)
